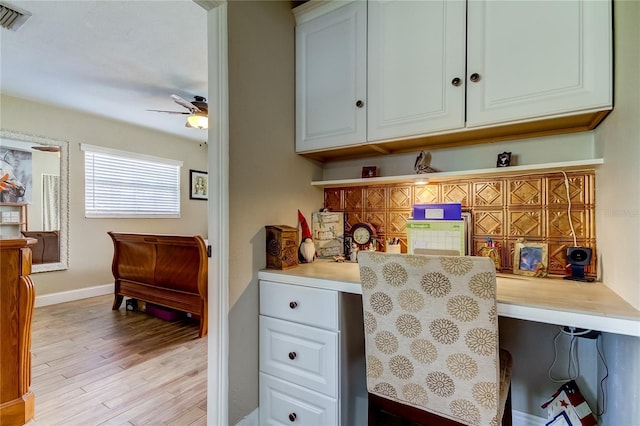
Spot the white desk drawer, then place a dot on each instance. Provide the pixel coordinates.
(301, 354)
(305, 305)
(283, 403)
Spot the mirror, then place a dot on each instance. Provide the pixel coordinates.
(34, 200)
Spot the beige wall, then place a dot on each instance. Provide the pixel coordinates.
(91, 250)
(268, 182)
(618, 213)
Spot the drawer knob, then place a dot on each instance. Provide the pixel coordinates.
(293, 305)
(475, 77)
(292, 417)
(456, 81)
(292, 355)
(359, 104)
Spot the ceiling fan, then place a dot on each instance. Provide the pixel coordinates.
(198, 115)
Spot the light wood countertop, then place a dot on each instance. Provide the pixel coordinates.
(591, 306)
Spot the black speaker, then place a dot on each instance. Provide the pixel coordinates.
(578, 258)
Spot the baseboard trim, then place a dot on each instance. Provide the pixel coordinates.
(519, 419)
(253, 419)
(71, 295)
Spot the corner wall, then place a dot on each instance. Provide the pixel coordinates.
(268, 182)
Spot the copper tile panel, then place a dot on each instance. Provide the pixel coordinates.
(524, 192)
(377, 219)
(400, 197)
(333, 199)
(398, 221)
(424, 194)
(489, 223)
(578, 189)
(488, 194)
(528, 224)
(559, 226)
(353, 199)
(351, 219)
(375, 198)
(457, 192)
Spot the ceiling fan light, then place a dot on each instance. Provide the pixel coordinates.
(198, 121)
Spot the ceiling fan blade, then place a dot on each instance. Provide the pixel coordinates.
(188, 105)
(170, 112)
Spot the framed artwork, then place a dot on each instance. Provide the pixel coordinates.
(369, 171)
(198, 185)
(530, 259)
(504, 159)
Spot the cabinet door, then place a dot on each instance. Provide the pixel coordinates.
(331, 79)
(415, 51)
(537, 58)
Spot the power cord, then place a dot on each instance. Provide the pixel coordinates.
(574, 332)
(566, 186)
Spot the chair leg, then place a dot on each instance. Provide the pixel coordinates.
(507, 415)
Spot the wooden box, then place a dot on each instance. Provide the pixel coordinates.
(282, 246)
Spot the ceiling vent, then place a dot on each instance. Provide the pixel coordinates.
(11, 18)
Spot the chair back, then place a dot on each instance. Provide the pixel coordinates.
(431, 333)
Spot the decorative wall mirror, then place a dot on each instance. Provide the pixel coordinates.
(34, 201)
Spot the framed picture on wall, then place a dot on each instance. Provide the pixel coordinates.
(199, 185)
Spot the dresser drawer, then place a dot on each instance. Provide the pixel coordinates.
(305, 305)
(283, 403)
(301, 354)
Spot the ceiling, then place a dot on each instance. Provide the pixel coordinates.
(111, 58)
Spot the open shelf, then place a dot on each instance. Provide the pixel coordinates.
(463, 174)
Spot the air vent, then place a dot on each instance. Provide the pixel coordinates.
(11, 18)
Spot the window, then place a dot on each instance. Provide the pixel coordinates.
(124, 184)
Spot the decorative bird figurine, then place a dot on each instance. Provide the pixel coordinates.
(307, 249)
(423, 163)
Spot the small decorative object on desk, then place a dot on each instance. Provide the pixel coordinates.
(282, 246)
(307, 249)
(369, 171)
(504, 159)
(423, 163)
(492, 251)
(530, 259)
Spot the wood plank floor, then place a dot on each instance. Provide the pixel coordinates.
(95, 366)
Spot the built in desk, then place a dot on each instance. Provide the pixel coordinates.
(591, 306)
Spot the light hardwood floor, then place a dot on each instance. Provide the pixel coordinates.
(95, 366)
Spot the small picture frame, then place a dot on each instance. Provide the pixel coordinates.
(504, 159)
(530, 259)
(198, 185)
(369, 171)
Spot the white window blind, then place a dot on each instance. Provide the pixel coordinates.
(124, 184)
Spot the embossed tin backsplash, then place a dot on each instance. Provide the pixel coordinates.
(504, 209)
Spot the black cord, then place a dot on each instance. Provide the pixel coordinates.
(606, 369)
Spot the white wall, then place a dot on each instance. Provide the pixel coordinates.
(91, 249)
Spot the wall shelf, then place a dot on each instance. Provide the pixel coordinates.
(590, 164)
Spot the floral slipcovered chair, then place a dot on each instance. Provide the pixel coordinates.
(431, 339)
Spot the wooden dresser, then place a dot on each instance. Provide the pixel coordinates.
(17, 299)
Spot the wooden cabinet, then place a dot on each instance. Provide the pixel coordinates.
(13, 219)
(306, 334)
(331, 77)
(17, 299)
(447, 73)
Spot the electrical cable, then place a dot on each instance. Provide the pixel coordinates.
(566, 185)
(571, 359)
(606, 369)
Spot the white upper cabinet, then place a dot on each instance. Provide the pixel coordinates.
(537, 58)
(331, 77)
(416, 67)
(390, 76)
